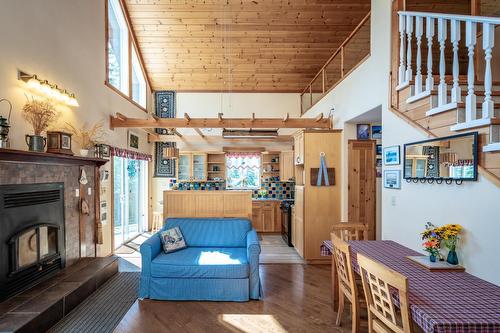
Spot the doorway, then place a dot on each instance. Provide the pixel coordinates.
(361, 184)
(130, 189)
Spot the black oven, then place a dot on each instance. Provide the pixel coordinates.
(286, 221)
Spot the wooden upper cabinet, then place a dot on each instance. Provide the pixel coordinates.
(286, 165)
(192, 166)
(299, 148)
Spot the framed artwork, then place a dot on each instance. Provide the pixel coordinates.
(133, 140)
(164, 167)
(379, 167)
(363, 131)
(378, 149)
(103, 150)
(164, 107)
(104, 212)
(392, 179)
(391, 155)
(376, 132)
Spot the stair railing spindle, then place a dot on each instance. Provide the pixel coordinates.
(442, 88)
(401, 71)
(409, 32)
(456, 94)
(429, 33)
(470, 100)
(419, 27)
(488, 43)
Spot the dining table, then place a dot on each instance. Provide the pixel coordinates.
(440, 301)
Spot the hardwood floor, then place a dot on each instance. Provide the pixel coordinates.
(296, 299)
(274, 250)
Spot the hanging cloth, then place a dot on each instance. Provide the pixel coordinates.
(323, 171)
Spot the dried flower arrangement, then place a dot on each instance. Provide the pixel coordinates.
(87, 136)
(40, 114)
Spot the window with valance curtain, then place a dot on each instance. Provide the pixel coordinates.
(243, 171)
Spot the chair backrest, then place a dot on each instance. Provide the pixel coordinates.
(381, 284)
(342, 255)
(351, 231)
(212, 232)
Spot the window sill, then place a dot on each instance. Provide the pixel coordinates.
(110, 86)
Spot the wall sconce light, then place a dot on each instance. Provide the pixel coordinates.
(51, 91)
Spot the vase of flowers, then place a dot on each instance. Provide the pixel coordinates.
(432, 242)
(40, 114)
(87, 136)
(450, 234)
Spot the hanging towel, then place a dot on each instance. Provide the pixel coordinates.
(323, 171)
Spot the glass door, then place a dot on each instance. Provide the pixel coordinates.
(130, 198)
(199, 167)
(184, 167)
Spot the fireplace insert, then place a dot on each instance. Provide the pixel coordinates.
(32, 237)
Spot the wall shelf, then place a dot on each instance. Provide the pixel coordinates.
(21, 156)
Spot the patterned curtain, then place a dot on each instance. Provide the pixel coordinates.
(243, 170)
(134, 155)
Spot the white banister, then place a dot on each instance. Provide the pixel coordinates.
(429, 33)
(449, 28)
(488, 43)
(456, 94)
(401, 72)
(419, 29)
(442, 88)
(409, 32)
(470, 100)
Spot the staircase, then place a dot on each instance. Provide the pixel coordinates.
(441, 104)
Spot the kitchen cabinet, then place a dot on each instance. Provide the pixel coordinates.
(266, 215)
(192, 167)
(286, 165)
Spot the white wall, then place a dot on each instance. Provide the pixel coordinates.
(364, 89)
(63, 42)
(474, 205)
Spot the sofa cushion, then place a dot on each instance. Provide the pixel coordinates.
(212, 232)
(202, 262)
(172, 240)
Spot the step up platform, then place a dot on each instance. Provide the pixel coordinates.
(39, 308)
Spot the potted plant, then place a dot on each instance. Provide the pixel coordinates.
(40, 114)
(87, 136)
(450, 234)
(432, 238)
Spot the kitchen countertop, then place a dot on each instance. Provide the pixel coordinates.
(271, 199)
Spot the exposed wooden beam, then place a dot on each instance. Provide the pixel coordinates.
(199, 132)
(176, 132)
(287, 116)
(187, 117)
(319, 117)
(121, 116)
(307, 123)
(253, 116)
(219, 115)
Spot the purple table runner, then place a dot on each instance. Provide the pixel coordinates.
(440, 302)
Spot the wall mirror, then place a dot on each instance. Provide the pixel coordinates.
(452, 158)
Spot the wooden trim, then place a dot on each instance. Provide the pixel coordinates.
(119, 92)
(243, 149)
(131, 41)
(116, 122)
(112, 205)
(21, 156)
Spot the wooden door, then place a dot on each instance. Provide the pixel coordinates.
(299, 220)
(286, 165)
(257, 216)
(361, 184)
(268, 217)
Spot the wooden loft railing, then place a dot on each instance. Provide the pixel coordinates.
(347, 57)
(418, 30)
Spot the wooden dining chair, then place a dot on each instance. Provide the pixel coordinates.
(351, 231)
(347, 281)
(379, 285)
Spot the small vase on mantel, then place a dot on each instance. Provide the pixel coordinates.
(452, 258)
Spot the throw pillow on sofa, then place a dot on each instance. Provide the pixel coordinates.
(172, 240)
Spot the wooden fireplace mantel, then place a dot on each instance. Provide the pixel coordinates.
(21, 156)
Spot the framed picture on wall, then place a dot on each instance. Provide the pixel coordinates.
(392, 179)
(133, 140)
(376, 132)
(379, 167)
(391, 155)
(363, 131)
(378, 150)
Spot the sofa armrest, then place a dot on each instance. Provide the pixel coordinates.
(149, 250)
(253, 252)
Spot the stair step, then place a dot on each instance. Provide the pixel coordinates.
(475, 124)
(492, 147)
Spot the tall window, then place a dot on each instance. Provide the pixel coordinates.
(138, 81)
(117, 47)
(125, 72)
(243, 170)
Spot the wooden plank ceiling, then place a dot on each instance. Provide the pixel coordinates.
(240, 45)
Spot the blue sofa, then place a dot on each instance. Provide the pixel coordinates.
(221, 262)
